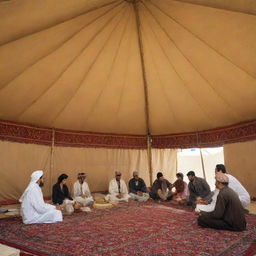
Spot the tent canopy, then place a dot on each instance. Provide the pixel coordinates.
(111, 65)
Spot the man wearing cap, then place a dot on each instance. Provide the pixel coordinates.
(234, 184)
(161, 188)
(138, 189)
(228, 213)
(117, 190)
(33, 208)
(81, 189)
(199, 190)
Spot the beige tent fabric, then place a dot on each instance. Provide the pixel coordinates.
(99, 164)
(247, 6)
(165, 161)
(76, 64)
(22, 18)
(192, 69)
(240, 161)
(19, 160)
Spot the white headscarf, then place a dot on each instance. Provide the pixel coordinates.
(35, 176)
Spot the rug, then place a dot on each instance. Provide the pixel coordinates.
(129, 229)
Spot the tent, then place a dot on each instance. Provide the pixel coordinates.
(106, 85)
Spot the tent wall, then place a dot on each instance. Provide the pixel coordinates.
(18, 160)
(240, 161)
(165, 161)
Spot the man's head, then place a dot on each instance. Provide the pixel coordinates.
(40, 182)
(135, 175)
(37, 177)
(62, 179)
(81, 177)
(221, 180)
(179, 176)
(220, 168)
(160, 176)
(191, 176)
(118, 175)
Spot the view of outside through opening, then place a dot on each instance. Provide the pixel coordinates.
(190, 160)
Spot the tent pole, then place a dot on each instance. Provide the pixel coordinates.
(145, 86)
(202, 163)
(52, 158)
(149, 143)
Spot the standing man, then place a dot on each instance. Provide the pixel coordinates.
(138, 189)
(33, 208)
(117, 190)
(233, 184)
(81, 189)
(228, 213)
(199, 190)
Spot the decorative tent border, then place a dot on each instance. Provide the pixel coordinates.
(105, 140)
(210, 138)
(26, 133)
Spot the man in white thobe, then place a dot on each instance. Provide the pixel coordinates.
(233, 184)
(117, 190)
(33, 208)
(81, 189)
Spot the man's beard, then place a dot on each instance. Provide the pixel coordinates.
(41, 184)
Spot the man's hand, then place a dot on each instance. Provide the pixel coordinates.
(139, 193)
(119, 196)
(58, 207)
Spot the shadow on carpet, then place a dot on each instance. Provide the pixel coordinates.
(128, 229)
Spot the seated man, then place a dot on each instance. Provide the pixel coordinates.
(181, 187)
(60, 191)
(228, 213)
(33, 208)
(199, 190)
(234, 184)
(82, 192)
(117, 190)
(160, 188)
(138, 189)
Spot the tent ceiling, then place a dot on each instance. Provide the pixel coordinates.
(77, 64)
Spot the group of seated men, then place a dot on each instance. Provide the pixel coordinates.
(221, 209)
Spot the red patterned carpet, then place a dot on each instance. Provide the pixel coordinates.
(128, 229)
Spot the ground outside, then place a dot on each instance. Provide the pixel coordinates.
(128, 229)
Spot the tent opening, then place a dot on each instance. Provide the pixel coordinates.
(201, 161)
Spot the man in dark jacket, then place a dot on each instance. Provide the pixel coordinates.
(137, 188)
(60, 190)
(199, 190)
(161, 189)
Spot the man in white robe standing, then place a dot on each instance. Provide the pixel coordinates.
(234, 184)
(33, 208)
(117, 190)
(81, 189)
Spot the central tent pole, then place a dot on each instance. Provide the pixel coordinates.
(149, 144)
(149, 138)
